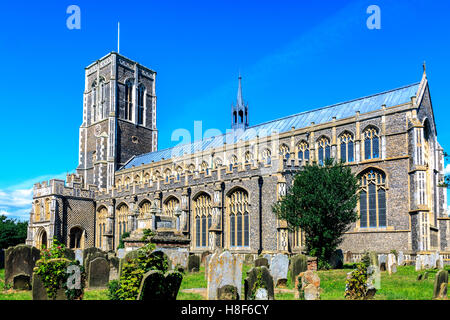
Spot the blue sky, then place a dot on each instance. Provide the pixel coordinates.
(293, 56)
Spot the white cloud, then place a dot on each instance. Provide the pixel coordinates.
(15, 201)
(447, 169)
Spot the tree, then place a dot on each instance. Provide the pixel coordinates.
(321, 202)
(12, 232)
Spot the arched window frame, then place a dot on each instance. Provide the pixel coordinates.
(142, 93)
(170, 206)
(202, 207)
(346, 147)
(122, 218)
(323, 149)
(284, 152)
(238, 219)
(303, 151)
(128, 114)
(372, 143)
(372, 204)
(102, 215)
(267, 156)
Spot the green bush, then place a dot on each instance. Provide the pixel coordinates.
(356, 284)
(113, 286)
(123, 236)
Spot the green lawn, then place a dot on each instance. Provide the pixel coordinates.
(399, 286)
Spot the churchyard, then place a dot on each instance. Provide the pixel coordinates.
(244, 276)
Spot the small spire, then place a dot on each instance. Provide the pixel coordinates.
(240, 102)
(424, 66)
(118, 37)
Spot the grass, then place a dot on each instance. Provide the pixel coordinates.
(402, 285)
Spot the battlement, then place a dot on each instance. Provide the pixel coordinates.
(73, 186)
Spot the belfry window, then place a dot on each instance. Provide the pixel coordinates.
(346, 146)
(371, 144)
(239, 220)
(203, 219)
(141, 101)
(128, 100)
(372, 199)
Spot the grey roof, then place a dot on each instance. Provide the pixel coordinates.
(300, 120)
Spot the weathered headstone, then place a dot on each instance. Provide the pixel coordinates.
(19, 263)
(98, 274)
(193, 263)
(440, 285)
(207, 259)
(114, 265)
(121, 253)
(279, 267)
(262, 262)
(418, 263)
(227, 292)
(177, 257)
(299, 264)
(310, 289)
(40, 293)
(391, 263)
(400, 258)
(258, 277)
(203, 258)
(249, 259)
(130, 255)
(337, 259)
(158, 286)
(223, 269)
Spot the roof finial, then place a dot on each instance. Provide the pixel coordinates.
(118, 37)
(424, 66)
(239, 94)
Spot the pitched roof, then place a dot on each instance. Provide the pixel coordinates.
(325, 114)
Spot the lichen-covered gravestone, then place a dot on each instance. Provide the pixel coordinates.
(158, 286)
(382, 262)
(193, 263)
(223, 269)
(19, 263)
(260, 262)
(401, 258)
(207, 259)
(391, 263)
(337, 259)
(279, 267)
(177, 257)
(257, 278)
(40, 293)
(98, 275)
(114, 264)
(299, 264)
(310, 285)
(440, 285)
(227, 292)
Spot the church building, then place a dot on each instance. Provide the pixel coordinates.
(219, 191)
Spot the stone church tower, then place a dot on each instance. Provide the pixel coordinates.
(119, 117)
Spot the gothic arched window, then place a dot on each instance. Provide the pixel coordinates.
(324, 150)
(267, 156)
(371, 143)
(372, 199)
(284, 152)
(37, 210)
(141, 103)
(122, 217)
(102, 215)
(203, 218)
(170, 206)
(346, 147)
(128, 100)
(303, 151)
(144, 209)
(47, 209)
(248, 157)
(239, 220)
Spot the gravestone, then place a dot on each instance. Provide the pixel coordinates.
(19, 263)
(91, 254)
(262, 262)
(432, 261)
(348, 257)
(98, 274)
(268, 257)
(193, 263)
(203, 258)
(279, 267)
(382, 262)
(114, 265)
(310, 289)
(440, 285)
(373, 258)
(258, 277)
(207, 259)
(299, 264)
(337, 259)
(130, 255)
(401, 259)
(176, 257)
(249, 259)
(223, 269)
(391, 263)
(227, 292)
(418, 263)
(40, 293)
(158, 286)
(440, 262)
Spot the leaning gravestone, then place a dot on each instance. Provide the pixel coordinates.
(258, 277)
(262, 262)
(193, 263)
(391, 263)
(158, 286)
(337, 259)
(299, 264)
(440, 285)
(98, 274)
(227, 292)
(279, 269)
(223, 269)
(19, 263)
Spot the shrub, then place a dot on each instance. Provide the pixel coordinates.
(356, 283)
(113, 286)
(365, 259)
(123, 236)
